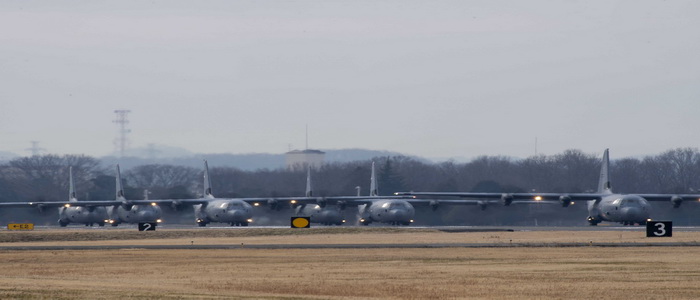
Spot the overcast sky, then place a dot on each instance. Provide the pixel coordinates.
(429, 78)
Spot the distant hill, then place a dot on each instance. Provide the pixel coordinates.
(250, 161)
(7, 156)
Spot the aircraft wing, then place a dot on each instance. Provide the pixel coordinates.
(484, 199)
(340, 200)
(418, 202)
(180, 202)
(59, 203)
(513, 196)
(670, 197)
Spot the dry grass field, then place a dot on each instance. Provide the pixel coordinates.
(446, 273)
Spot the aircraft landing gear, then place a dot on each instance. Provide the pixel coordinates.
(592, 221)
(62, 223)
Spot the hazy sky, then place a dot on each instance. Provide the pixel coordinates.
(429, 78)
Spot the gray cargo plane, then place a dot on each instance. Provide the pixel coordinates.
(391, 211)
(236, 212)
(87, 215)
(327, 215)
(627, 209)
(132, 211)
(209, 209)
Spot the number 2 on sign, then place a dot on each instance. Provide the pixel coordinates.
(146, 226)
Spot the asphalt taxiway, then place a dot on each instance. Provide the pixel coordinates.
(347, 246)
(272, 244)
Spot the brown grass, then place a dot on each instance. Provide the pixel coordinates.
(449, 273)
(636, 273)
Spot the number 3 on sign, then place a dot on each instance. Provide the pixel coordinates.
(659, 229)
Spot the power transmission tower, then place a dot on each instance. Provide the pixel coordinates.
(35, 149)
(122, 141)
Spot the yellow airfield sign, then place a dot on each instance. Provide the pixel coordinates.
(301, 222)
(20, 226)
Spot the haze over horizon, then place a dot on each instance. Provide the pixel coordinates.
(435, 79)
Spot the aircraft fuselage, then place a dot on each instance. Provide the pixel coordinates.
(82, 215)
(329, 215)
(234, 212)
(395, 212)
(625, 209)
(136, 214)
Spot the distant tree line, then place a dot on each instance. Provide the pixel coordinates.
(45, 177)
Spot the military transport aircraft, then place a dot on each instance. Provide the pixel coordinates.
(87, 215)
(234, 211)
(132, 211)
(627, 209)
(326, 215)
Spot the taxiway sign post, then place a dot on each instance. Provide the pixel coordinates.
(659, 229)
(147, 226)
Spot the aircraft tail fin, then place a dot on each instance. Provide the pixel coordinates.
(71, 187)
(309, 190)
(120, 186)
(604, 182)
(373, 190)
(207, 181)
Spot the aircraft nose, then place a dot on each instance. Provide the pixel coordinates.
(239, 214)
(635, 213)
(329, 213)
(399, 214)
(147, 215)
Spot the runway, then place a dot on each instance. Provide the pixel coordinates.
(280, 237)
(346, 246)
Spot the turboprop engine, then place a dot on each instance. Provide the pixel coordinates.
(565, 201)
(506, 199)
(676, 201)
